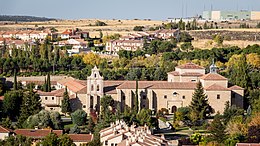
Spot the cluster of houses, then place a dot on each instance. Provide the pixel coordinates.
(120, 134)
(24, 39)
(132, 42)
(38, 134)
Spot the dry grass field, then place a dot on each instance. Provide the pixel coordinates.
(113, 26)
(122, 27)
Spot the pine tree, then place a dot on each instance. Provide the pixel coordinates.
(31, 105)
(15, 80)
(199, 104)
(65, 103)
(217, 129)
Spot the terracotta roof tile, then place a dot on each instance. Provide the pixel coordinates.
(81, 137)
(157, 85)
(4, 130)
(175, 73)
(216, 87)
(58, 93)
(213, 76)
(40, 82)
(110, 86)
(73, 85)
(190, 66)
(235, 87)
(192, 74)
(39, 133)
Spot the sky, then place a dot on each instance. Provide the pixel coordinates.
(121, 9)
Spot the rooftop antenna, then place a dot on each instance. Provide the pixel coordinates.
(181, 9)
(186, 9)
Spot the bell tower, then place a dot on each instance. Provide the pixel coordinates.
(94, 90)
(213, 68)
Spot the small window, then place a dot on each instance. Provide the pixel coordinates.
(52, 98)
(144, 97)
(218, 96)
(95, 75)
(165, 96)
(46, 98)
(97, 87)
(123, 97)
(193, 80)
(92, 87)
(51, 109)
(84, 106)
(112, 144)
(183, 97)
(106, 142)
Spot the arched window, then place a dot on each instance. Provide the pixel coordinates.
(97, 87)
(95, 75)
(92, 87)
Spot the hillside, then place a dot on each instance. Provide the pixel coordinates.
(23, 18)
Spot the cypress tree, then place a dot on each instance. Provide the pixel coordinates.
(65, 103)
(199, 105)
(48, 88)
(44, 86)
(15, 80)
(136, 97)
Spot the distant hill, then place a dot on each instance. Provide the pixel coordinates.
(23, 18)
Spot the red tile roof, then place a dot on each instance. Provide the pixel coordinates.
(2, 98)
(248, 144)
(192, 74)
(213, 76)
(174, 85)
(190, 66)
(157, 85)
(81, 137)
(39, 133)
(40, 82)
(216, 87)
(57, 93)
(175, 73)
(4, 130)
(73, 84)
(235, 87)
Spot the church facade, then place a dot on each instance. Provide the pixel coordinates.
(174, 93)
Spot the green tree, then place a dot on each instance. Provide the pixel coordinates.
(15, 80)
(65, 103)
(48, 83)
(231, 111)
(91, 125)
(79, 117)
(65, 140)
(12, 103)
(107, 105)
(199, 105)
(50, 140)
(217, 129)
(144, 117)
(219, 39)
(31, 105)
(136, 100)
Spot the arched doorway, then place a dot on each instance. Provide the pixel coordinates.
(174, 109)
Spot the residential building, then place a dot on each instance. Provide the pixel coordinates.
(120, 134)
(166, 33)
(4, 132)
(81, 139)
(129, 45)
(77, 45)
(37, 134)
(155, 95)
